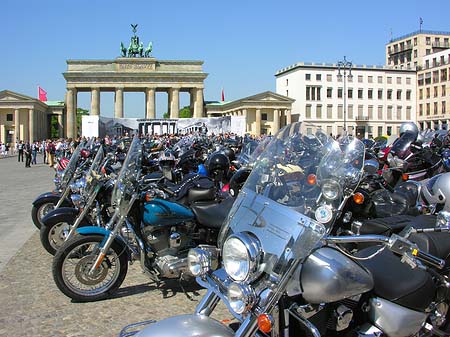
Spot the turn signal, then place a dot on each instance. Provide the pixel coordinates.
(405, 177)
(311, 180)
(103, 170)
(148, 197)
(265, 323)
(358, 198)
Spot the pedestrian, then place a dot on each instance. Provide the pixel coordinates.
(43, 151)
(51, 149)
(27, 152)
(20, 151)
(34, 150)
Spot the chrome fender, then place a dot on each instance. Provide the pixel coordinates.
(52, 197)
(187, 326)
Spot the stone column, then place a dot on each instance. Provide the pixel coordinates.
(150, 103)
(95, 101)
(198, 103)
(191, 100)
(288, 116)
(3, 133)
(276, 121)
(118, 103)
(244, 114)
(174, 103)
(60, 126)
(16, 125)
(71, 112)
(258, 122)
(31, 125)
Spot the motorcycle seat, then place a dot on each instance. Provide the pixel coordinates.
(396, 281)
(387, 225)
(198, 194)
(212, 214)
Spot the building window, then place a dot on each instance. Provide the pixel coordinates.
(360, 111)
(428, 92)
(329, 77)
(350, 93)
(408, 95)
(329, 92)
(408, 80)
(408, 113)
(399, 112)
(435, 91)
(340, 114)
(389, 94)
(389, 113)
(428, 40)
(427, 64)
(435, 108)
(420, 93)
(399, 80)
(9, 117)
(389, 130)
(312, 93)
(380, 93)
(339, 92)
(443, 107)
(329, 111)
(308, 93)
(287, 81)
(370, 94)
(443, 90)
(309, 131)
(399, 94)
(421, 109)
(319, 112)
(330, 130)
(443, 75)
(389, 80)
(287, 93)
(428, 109)
(350, 111)
(436, 76)
(380, 131)
(308, 77)
(318, 77)
(263, 116)
(360, 78)
(370, 79)
(380, 79)
(370, 112)
(415, 53)
(360, 93)
(428, 52)
(308, 111)
(415, 41)
(380, 112)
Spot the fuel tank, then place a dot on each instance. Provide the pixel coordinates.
(160, 212)
(187, 326)
(329, 276)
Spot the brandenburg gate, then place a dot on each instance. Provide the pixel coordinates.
(134, 71)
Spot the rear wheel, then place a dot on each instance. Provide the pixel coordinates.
(73, 261)
(39, 211)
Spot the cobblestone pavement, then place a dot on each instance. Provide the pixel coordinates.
(32, 305)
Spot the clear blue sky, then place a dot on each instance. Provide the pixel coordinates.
(242, 43)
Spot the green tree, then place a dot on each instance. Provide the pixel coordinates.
(166, 115)
(185, 112)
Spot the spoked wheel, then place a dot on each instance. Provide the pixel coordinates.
(53, 235)
(74, 260)
(38, 212)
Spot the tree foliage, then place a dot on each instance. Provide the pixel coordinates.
(185, 112)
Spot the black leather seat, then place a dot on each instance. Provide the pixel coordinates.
(387, 225)
(396, 281)
(212, 215)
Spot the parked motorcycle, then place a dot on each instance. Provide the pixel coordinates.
(144, 226)
(60, 195)
(283, 274)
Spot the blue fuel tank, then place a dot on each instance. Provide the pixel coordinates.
(160, 212)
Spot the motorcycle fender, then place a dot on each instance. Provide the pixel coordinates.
(67, 214)
(50, 197)
(89, 230)
(187, 326)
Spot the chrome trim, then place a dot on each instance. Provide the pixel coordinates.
(247, 296)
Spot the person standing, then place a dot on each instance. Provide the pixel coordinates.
(51, 149)
(20, 151)
(34, 150)
(27, 152)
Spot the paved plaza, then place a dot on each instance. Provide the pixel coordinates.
(30, 302)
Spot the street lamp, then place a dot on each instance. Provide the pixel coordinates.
(345, 65)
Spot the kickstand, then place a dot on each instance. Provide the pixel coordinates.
(180, 281)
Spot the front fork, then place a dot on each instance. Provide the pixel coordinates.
(106, 244)
(82, 215)
(63, 196)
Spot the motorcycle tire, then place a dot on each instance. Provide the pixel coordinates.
(79, 253)
(54, 232)
(39, 211)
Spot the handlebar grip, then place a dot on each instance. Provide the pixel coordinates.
(428, 258)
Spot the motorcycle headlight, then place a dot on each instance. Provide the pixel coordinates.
(241, 297)
(241, 255)
(330, 189)
(78, 186)
(202, 259)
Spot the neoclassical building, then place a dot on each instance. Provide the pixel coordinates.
(264, 113)
(26, 118)
(147, 75)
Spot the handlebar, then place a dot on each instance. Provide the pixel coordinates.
(396, 244)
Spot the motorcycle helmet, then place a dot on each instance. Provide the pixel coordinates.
(238, 179)
(166, 160)
(229, 153)
(218, 163)
(437, 191)
(85, 153)
(409, 127)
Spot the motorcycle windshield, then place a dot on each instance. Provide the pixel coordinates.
(72, 165)
(400, 147)
(94, 170)
(127, 179)
(292, 196)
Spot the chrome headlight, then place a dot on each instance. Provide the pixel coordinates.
(241, 297)
(241, 255)
(202, 259)
(330, 189)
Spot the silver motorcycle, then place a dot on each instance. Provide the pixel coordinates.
(282, 272)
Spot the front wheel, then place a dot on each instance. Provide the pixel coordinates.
(40, 210)
(73, 261)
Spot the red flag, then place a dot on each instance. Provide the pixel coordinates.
(223, 95)
(42, 94)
